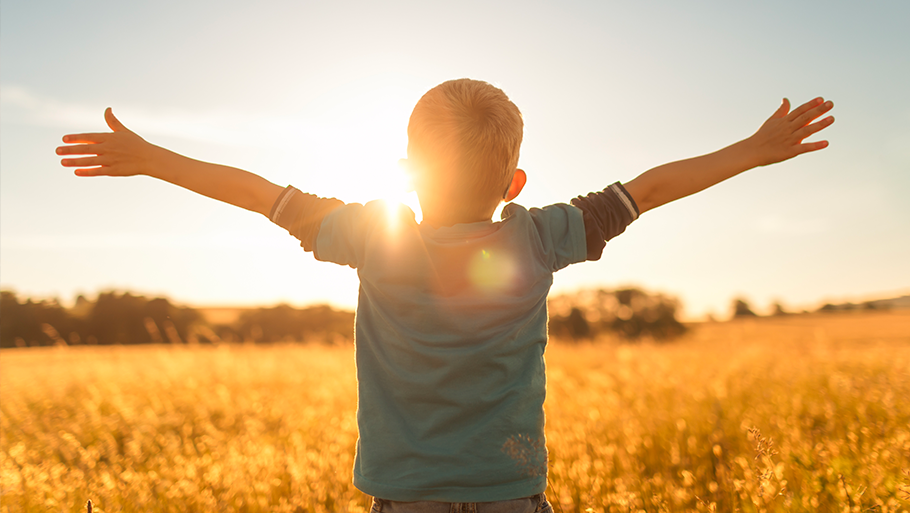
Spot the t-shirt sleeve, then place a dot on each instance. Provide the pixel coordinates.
(302, 214)
(561, 231)
(342, 238)
(606, 214)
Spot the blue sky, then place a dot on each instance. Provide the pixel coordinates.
(318, 95)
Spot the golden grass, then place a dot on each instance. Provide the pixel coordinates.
(807, 413)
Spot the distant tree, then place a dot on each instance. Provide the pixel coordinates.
(574, 326)
(28, 322)
(742, 309)
(578, 325)
(877, 305)
(16, 321)
(118, 319)
(630, 313)
(286, 323)
(128, 319)
(645, 315)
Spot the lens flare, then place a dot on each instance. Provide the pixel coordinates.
(492, 272)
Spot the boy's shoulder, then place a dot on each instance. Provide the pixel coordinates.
(564, 233)
(352, 232)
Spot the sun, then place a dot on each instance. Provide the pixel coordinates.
(354, 146)
(366, 178)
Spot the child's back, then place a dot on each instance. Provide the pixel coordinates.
(452, 317)
(450, 333)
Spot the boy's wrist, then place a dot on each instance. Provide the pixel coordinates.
(749, 153)
(159, 162)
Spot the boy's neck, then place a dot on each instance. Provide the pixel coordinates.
(440, 221)
(441, 217)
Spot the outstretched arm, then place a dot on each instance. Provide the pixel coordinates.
(123, 153)
(779, 138)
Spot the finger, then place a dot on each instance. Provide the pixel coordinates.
(86, 138)
(83, 161)
(802, 109)
(812, 146)
(806, 131)
(807, 118)
(113, 122)
(92, 171)
(79, 149)
(782, 110)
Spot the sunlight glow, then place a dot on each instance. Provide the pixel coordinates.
(396, 191)
(354, 144)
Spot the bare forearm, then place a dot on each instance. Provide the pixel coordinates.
(778, 139)
(123, 153)
(228, 184)
(682, 178)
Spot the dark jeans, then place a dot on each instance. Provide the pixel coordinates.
(535, 504)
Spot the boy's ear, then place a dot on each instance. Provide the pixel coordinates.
(519, 179)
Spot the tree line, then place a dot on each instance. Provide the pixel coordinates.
(630, 314)
(124, 318)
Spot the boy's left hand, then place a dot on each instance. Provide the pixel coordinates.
(781, 136)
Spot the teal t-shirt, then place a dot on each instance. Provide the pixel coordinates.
(450, 334)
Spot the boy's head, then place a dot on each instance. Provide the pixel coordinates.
(463, 142)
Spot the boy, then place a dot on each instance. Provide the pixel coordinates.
(451, 317)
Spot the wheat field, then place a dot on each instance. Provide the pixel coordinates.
(799, 413)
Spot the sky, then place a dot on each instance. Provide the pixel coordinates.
(318, 94)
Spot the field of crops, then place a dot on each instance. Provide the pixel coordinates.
(799, 413)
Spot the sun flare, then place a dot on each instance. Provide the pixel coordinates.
(354, 146)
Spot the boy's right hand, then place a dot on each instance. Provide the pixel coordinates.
(117, 153)
(781, 137)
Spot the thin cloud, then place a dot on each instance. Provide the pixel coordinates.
(122, 241)
(19, 105)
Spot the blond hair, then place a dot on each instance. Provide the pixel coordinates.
(466, 135)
